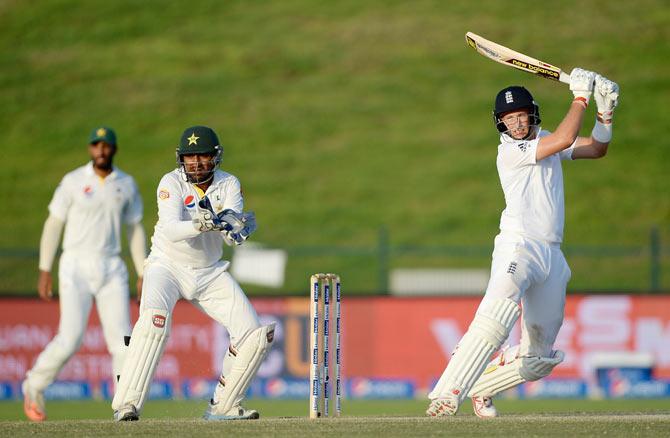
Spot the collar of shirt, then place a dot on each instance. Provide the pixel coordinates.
(91, 172)
(216, 180)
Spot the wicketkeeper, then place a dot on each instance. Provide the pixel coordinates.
(199, 208)
(528, 267)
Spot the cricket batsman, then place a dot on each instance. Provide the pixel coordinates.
(199, 209)
(528, 269)
(92, 203)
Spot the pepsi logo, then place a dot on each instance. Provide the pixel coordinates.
(189, 202)
(88, 190)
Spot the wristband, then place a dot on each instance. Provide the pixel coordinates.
(605, 117)
(582, 101)
(602, 133)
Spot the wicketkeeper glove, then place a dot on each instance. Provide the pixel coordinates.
(237, 226)
(204, 220)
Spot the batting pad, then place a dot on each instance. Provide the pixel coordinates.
(488, 330)
(499, 377)
(250, 354)
(146, 347)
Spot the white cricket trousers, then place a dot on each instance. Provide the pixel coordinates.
(83, 278)
(535, 274)
(212, 290)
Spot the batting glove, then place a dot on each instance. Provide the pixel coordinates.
(606, 95)
(581, 84)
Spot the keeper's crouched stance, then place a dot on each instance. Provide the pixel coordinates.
(528, 266)
(199, 208)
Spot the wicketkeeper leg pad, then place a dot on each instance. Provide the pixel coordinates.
(501, 375)
(488, 330)
(147, 343)
(249, 353)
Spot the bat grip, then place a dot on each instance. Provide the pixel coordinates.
(564, 77)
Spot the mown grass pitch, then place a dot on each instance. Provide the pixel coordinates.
(363, 418)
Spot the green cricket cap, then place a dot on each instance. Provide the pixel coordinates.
(103, 133)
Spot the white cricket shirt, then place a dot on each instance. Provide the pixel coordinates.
(93, 209)
(174, 237)
(535, 205)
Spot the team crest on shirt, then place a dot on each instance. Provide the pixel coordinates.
(189, 202)
(88, 190)
(158, 321)
(163, 194)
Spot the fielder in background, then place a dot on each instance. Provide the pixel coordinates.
(199, 208)
(91, 202)
(528, 267)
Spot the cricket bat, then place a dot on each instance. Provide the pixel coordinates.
(514, 59)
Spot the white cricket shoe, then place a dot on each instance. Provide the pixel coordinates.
(33, 403)
(483, 407)
(234, 413)
(126, 413)
(442, 407)
(215, 411)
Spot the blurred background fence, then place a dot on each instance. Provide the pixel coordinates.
(369, 268)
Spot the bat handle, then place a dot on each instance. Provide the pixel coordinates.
(564, 77)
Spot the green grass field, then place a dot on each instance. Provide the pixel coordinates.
(362, 418)
(338, 117)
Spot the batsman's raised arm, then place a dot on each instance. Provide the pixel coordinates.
(606, 95)
(581, 85)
